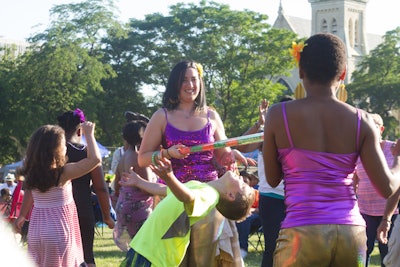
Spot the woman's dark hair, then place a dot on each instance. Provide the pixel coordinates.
(170, 98)
(44, 159)
(134, 116)
(323, 59)
(70, 121)
(133, 132)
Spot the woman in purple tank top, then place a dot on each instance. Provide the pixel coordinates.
(313, 144)
(185, 120)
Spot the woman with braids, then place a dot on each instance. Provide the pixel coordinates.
(186, 120)
(71, 122)
(54, 238)
(313, 144)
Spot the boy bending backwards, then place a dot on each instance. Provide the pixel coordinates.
(165, 236)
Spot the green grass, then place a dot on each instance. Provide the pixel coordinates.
(107, 253)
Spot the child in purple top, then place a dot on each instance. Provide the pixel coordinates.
(134, 205)
(313, 145)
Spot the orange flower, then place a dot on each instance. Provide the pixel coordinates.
(296, 50)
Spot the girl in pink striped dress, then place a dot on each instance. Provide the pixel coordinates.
(54, 237)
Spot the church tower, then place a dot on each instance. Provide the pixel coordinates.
(346, 19)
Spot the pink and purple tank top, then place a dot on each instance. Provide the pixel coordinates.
(197, 166)
(319, 185)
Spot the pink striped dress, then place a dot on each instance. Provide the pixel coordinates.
(54, 237)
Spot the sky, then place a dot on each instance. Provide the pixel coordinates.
(20, 19)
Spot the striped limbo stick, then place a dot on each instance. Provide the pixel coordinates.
(234, 141)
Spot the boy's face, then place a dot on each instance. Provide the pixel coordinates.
(237, 184)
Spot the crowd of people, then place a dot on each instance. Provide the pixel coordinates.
(327, 184)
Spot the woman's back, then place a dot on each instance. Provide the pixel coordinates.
(324, 125)
(314, 180)
(314, 151)
(128, 160)
(134, 205)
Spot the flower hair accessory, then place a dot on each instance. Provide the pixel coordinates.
(79, 113)
(296, 50)
(200, 69)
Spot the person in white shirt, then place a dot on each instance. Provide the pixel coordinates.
(271, 200)
(9, 183)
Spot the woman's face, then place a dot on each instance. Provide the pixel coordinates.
(190, 87)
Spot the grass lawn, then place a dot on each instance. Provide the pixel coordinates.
(107, 253)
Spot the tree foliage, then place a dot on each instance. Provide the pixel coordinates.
(87, 59)
(61, 71)
(240, 53)
(376, 84)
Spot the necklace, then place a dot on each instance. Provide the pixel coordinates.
(187, 115)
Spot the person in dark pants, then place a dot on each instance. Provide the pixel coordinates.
(271, 200)
(71, 121)
(371, 204)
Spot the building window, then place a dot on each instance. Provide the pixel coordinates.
(351, 33)
(334, 26)
(284, 83)
(324, 26)
(356, 33)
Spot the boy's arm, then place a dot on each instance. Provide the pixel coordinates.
(164, 171)
(262, 109)
(133, 179)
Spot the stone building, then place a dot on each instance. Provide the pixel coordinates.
(344, 18)
(14, 47)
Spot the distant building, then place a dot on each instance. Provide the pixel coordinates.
(15, 47)
(344, 18)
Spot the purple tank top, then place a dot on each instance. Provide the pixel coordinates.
(197, 166)
(319, 185)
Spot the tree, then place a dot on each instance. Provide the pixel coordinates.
(10, 146)
(240, 53)
(63, 70)
(87, 59)
(376, 84)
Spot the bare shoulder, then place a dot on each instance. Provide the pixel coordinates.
(367, 121)
(159, 114)
(214, 115)
(212, 111)
(274, 113)
(158, 119)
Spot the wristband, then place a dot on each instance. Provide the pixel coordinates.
(160, 156)
(387, 220)
(153, 158)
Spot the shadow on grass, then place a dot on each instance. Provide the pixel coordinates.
(107, 254)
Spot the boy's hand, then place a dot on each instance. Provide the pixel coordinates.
(163, 169)
(130, 178)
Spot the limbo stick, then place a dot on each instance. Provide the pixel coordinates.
(234, 141)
